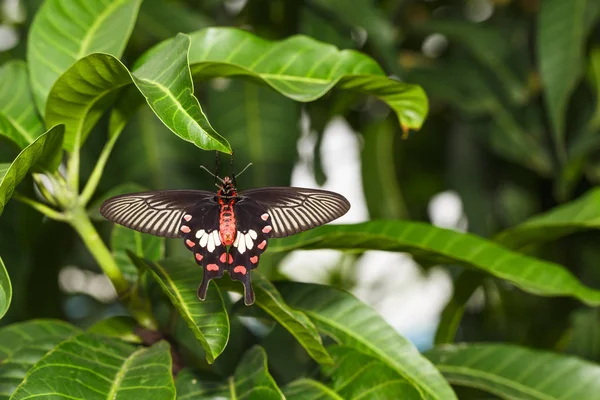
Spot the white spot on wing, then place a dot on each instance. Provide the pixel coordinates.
(249, 243)
(217, 238)
(203, 240)
(241, 245)
(252, 234)
(200, 233)
(211, 242)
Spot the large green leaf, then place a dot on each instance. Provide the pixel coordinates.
(18, 119)
(360, 376)
(354, 324)
(120, 326)
(444, 246)
(207, 319)
(23, 344)
(87, 89)
(5, 285)
(513, 372)
(560, 33)
(97, 367)
(143, 245)
(42, 153)
(308, 389)
(251, 381)
(297, 323)
(300, 68)
(164, 79)
(64, 31)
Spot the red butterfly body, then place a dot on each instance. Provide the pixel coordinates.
(227, 231)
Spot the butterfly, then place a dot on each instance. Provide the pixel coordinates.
(227, 230)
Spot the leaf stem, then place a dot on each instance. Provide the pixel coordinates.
(94, 179)
(44, 209)
(73, 166)
(80, 221)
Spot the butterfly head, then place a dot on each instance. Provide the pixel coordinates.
(227, 188)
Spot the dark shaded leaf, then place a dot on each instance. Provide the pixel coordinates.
(5, 285)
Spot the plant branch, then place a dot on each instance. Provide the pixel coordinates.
(94, 179)
(42, 208)
(73, 166)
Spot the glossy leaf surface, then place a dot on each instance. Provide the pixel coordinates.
(143, 245)
(513, 372)
(105, 369)
(18, 117)
(352, 323)
(207, 319)
(65, 31)
(5, 285)
(437, 245)
(23, 344)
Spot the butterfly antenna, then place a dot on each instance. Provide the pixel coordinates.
(232, 170)
(216, 177)
(217, 165)
(245, 168)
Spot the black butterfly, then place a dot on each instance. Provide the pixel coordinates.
(227, 231)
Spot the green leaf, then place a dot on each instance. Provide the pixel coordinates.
(464, 286)
(251, 381)
(360, 376)
(300, 68)
(96, 367)
(120, 326)
(207, 319)
(354, 324)
(432, 244)
(19, 119)
(577, 215)
(5, 286)
(560, 33)
(297, 323)
(513, 372)
(23, 344)
(308, 389)
(64, 31)
(148, 247)
(83, 93)
(42, 153)
(164, 79)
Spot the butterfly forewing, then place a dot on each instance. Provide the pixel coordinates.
(158, 213)
(293, 210)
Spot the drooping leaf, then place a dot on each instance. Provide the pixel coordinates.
(43, 153)
(308, 389)
(560, 35)
(65, 31)
(295, 322)
(356, 375)
(464, 286)
(97, 367)
(164, 79)
(300, 68)
(354, 324)
(19, 120)
(120, 326)
(513, 372)
(143, 245)
(5, 285)
(577, 215)
(208, 319)
(23, 344)
(250, 381)
(432, 244)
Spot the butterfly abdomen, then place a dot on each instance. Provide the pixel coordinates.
(227, 223)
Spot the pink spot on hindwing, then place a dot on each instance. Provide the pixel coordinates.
(223, 257)
(199, 256)
(240, 269)
(185, 229)
(212, 267)
(190, 243)
(187, 217)
(262, 245)
(264, 217)
(267, 229)
(254, 259)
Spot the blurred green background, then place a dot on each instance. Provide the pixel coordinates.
(494, 151)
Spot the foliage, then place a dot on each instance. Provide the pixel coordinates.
(511, 121)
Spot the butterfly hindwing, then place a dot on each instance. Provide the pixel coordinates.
(200, 232)
(253, 232)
